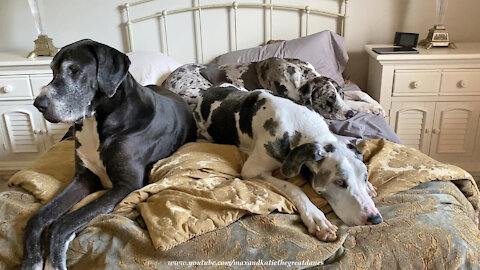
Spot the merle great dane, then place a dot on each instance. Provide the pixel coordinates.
(278, 133)
(121, 128)
(290, 78)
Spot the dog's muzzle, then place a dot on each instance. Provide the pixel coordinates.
(41, 103)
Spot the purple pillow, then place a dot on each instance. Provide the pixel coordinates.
(324, 50)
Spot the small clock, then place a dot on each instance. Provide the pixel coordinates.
(437, 37)
(406, 40)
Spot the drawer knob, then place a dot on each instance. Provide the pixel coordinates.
(414, 84)
(39, 131)
(463, 84)
(7, 89)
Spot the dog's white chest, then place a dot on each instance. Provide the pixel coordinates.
(88, 151)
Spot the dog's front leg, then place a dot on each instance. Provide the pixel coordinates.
(314, 219)
(259, 164)
(81, 186)
(127, 180)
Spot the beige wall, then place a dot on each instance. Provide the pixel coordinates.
(376, 21)
(371, 21)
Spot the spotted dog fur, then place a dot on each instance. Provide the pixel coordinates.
(187, 82)
(278, 133)
(291, 78)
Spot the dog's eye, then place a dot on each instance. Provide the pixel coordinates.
(341, 183)
(74, 69)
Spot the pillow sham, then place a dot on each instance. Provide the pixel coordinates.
(151, 67)
(324, 50)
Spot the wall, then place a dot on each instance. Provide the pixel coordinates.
(371, 21)
(376, 21)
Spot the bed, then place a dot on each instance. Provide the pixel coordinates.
(196, 211)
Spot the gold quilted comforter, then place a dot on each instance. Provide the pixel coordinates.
(196, 211)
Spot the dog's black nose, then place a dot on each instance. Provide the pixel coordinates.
(350, 114)
(374, 219)
(41, 103)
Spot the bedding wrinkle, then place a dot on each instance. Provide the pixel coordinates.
(196, 208)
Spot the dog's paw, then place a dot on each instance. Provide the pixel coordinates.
(378, 110)
(373, 109)
(318, 225)
(32, 264)
(58, 253)
(371, 190)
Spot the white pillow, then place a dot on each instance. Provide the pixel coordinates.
(151, 67)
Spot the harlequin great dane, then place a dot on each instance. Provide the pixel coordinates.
(290, 78)
(277, 133)
(121, 128)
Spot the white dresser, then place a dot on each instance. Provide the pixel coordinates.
(432, 100)
(24, 133)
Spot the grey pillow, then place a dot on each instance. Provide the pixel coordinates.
(363, 126)
(324, 50)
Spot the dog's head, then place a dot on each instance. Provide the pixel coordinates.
(84, 73)
(336, 172)
(325, 96)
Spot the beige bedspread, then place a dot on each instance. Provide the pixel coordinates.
(196, 193)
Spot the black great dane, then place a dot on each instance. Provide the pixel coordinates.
(121, 128)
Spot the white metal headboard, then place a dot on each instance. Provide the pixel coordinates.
(306, 10)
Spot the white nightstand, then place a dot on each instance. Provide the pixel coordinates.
(432, 100)
(24, 133)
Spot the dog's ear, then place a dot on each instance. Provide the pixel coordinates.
(112, 68)
(355, 150)
(305, 94)
(339, 89)
(298, 156)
